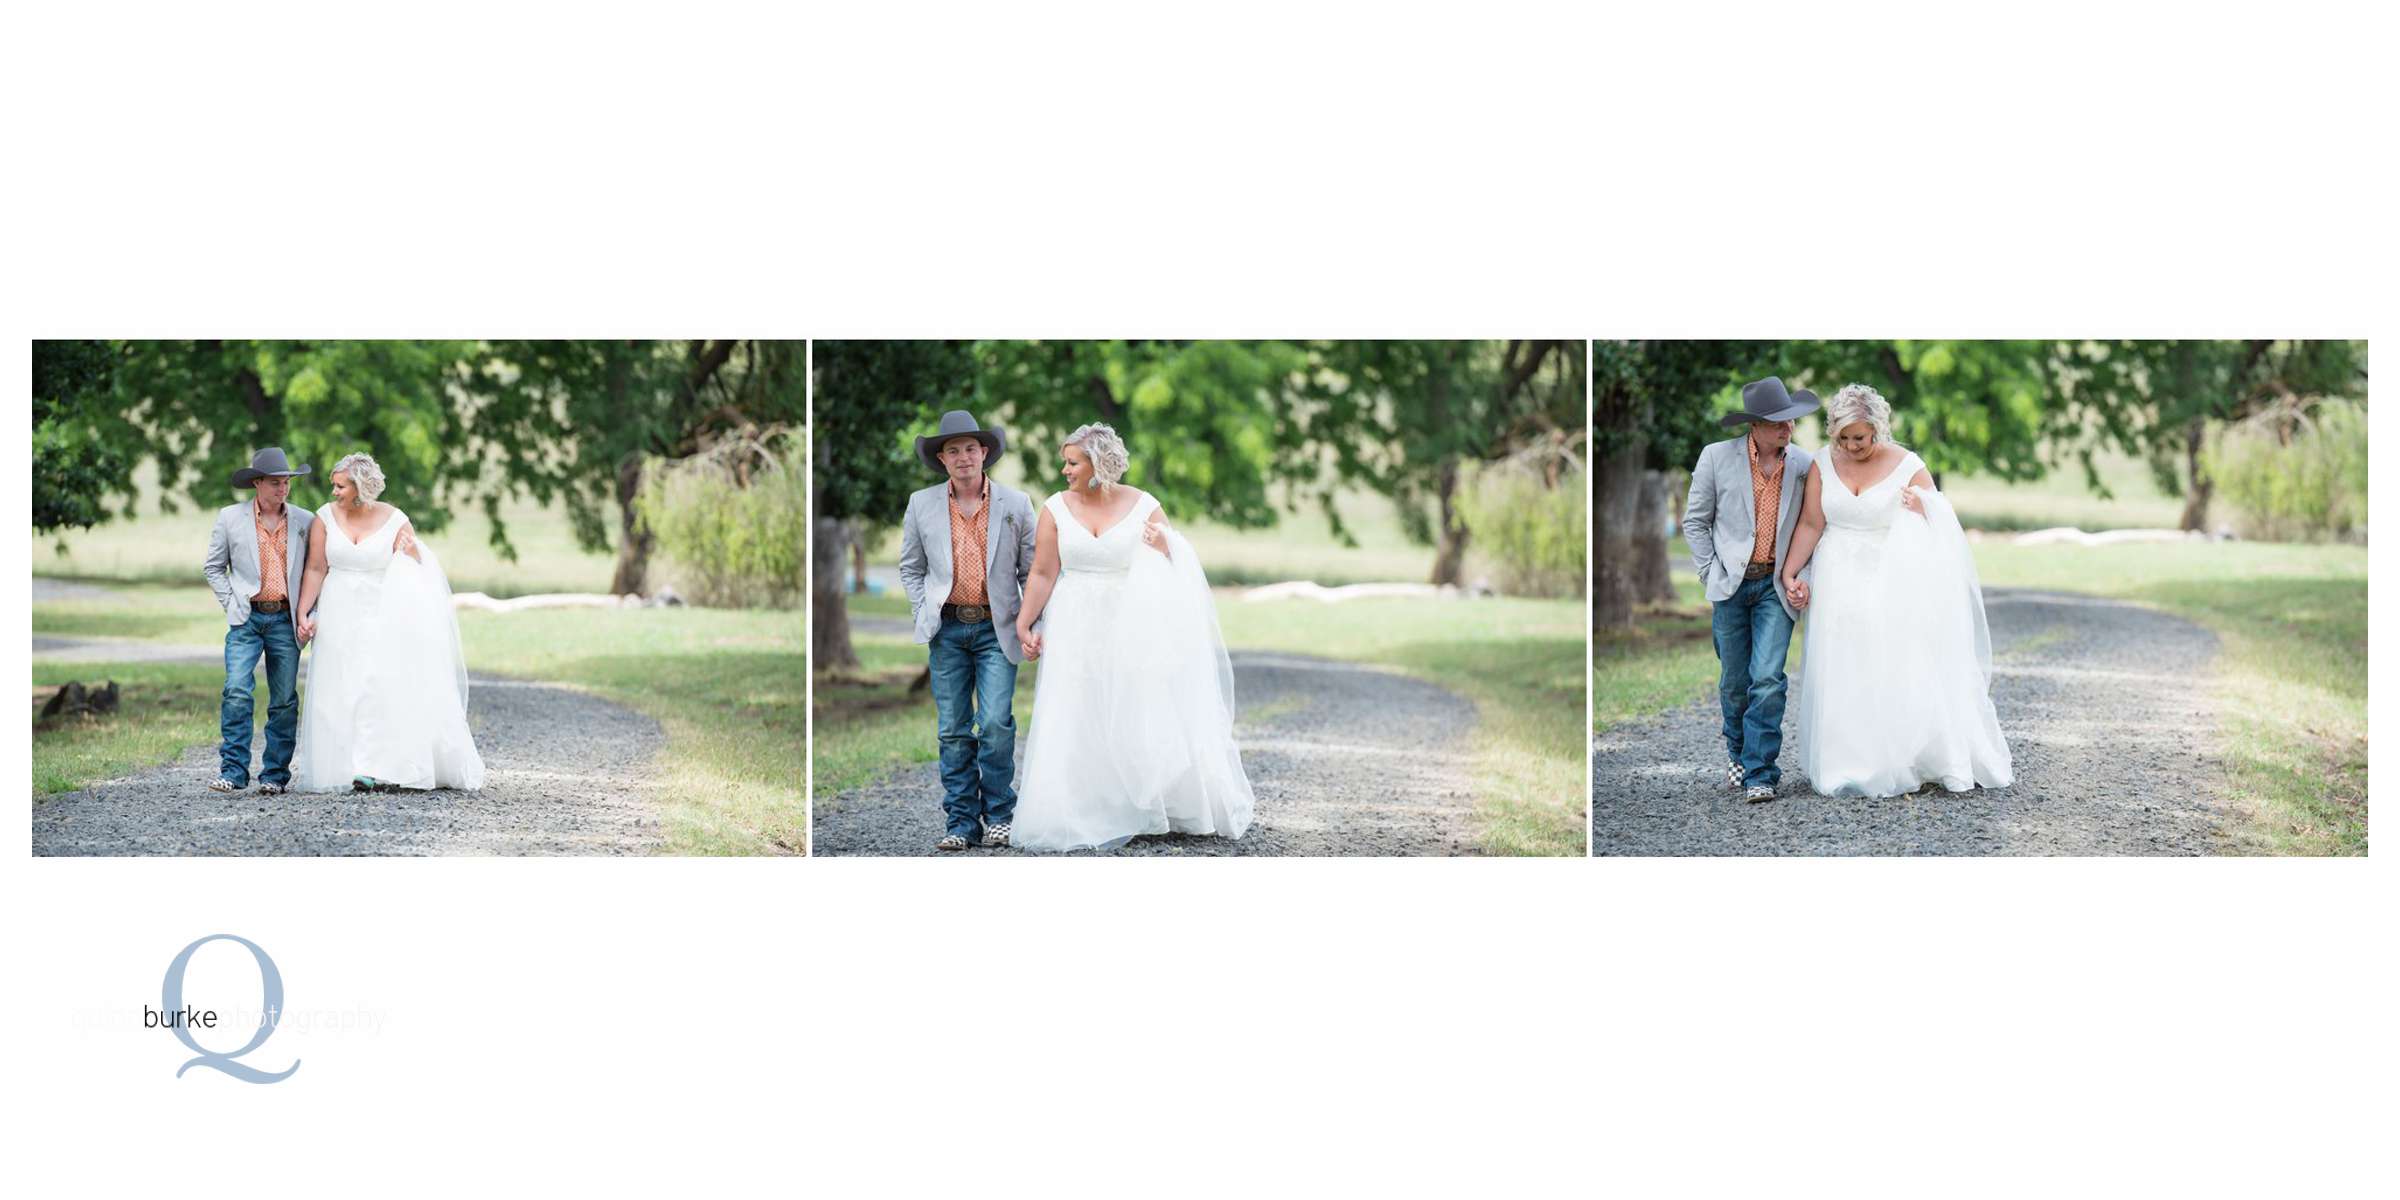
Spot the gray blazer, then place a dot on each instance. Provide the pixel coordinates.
(232, 566)
(1720, 524)
(926, 571)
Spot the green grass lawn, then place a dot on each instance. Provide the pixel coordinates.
(726, 685)
(1517, 660)
(165, 707)
(2292, 620)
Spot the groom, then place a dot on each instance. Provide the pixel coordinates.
(1738, 520)
(966, 547)
(256, 555)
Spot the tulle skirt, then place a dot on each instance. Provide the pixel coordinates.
(1895, 668)
(386, 694)
(1132, 727)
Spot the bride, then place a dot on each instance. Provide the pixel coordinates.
(1133, 711)
(1896, 663)
(387, 684)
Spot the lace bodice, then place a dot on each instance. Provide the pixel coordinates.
(1872, 510)
(372, 553)
(1111, 551)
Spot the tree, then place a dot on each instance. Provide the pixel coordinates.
(2157, 399)
(1655, 404)
(574, 423)
(1405, 418)
(199, 409)
(1984, 407)
(1204, 422)
(1233, 432)
(869, 397)
(76, 463)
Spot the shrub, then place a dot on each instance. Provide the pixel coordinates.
(2295, 474)
(1530, 530)
(733, 520)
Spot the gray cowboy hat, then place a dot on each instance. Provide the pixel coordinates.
(269, 461)
(958, 423)
(1766, 400)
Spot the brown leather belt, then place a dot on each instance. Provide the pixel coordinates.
(1758, 570)
(966, 614)
(269, 605)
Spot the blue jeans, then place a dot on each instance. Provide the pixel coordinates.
(1753, 634)
(267, 635)
(974, 686)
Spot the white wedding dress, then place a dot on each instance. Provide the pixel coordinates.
(386, 695)
(1896, 662)
(1133, 711)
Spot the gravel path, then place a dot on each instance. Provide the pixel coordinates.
(2108, 724)
(565, 773)
(1346, 759)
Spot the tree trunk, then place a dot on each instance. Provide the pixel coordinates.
(1616, 503)
(266, 417)
(2198, 485)
(1653, 572)
(829, 646)
(633, 537)
(1450, 546)
(858, 562)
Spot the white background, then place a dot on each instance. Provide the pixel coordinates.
(1112, 1028)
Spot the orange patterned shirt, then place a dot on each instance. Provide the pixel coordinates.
(1766, 501)
(273, 570)
(967, 545)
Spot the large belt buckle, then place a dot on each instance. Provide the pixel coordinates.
(974, 614)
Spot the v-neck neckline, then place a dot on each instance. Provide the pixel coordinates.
(1859, 493)
(344, 530)
(1087, 530)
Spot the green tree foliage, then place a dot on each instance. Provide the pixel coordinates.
(200, 409)
(2159, 399)
(734, 518)
(451, 422)
(1234, 432)
(1530, 521)
(577, 423)
(869, 397)
(1204, 422)
(2295, 472)
(1406, 418)
(1972, 406)
(76, 463)
(1655, 404)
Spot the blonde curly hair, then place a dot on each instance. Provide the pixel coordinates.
(364, 474)
(1106, 450)
(1858, 402)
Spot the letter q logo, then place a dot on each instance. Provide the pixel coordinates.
(270, 1011)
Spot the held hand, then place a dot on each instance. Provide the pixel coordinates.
(1155, 537)
(1910, 501)
(306, 628)
(406, 543)
(1030, 641)
(1797, 590)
